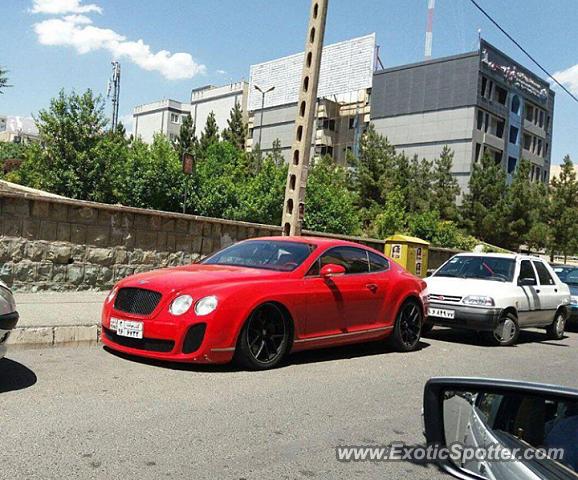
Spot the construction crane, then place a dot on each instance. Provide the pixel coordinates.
(294, 205)
(113, 91)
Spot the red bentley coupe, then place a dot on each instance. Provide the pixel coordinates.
(260, 299)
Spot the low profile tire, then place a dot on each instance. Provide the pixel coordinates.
(264, 339)
(556, 330)
(426, 328)
(408, 324)
(506, 332)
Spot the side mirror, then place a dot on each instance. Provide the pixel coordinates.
(527, 282)
(331, 270)
(498, 429)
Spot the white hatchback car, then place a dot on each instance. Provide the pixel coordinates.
(498, 294)
(8, 316)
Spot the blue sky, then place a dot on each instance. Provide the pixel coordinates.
(216, 41)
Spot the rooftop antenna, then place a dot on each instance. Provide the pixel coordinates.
(113, 91)
(429, 29)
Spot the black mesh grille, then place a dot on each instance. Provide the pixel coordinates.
(136, 300)
(194, 338)
(150, 344)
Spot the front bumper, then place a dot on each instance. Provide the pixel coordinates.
(7, 324)
(189, 340)
(466, 317)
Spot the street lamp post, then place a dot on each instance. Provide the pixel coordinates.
(263, 93)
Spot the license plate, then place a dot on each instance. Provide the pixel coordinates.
(127, 328)
(441, 313)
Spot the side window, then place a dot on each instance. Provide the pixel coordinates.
(526, 270)
(354, 260)
(544, 274)
(377, 263)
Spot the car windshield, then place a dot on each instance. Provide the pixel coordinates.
(568, 275)
(479, 267)
(271, 255)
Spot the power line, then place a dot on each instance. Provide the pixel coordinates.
(487, 15)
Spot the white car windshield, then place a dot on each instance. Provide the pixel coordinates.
(479, 267)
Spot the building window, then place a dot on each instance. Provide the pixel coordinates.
(527, 141)
(548, 122)
(515, 107)
(539, 147)
(326, 150)
(500, 128)
(541, 120)
(328, 124)
(480, 123)
(514, 135)
(512, 165)
(545, 149)
(478, 148)
(497, 157)
(529, 113)
(483, 86)
(174, 118)
(501, 95)
(351, 123)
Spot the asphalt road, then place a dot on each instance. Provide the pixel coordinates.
(86, 413)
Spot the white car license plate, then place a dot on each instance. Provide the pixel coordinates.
(440, 312)
(127, 328)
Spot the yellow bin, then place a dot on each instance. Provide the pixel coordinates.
(410, 252)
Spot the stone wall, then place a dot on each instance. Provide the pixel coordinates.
(54, 243)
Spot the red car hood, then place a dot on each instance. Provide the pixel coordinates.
(188, 276)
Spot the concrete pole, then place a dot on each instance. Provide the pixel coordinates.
(294, 206)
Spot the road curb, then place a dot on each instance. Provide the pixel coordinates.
(36, 337)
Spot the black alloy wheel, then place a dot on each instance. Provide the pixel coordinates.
(264, 339)
(407, 331)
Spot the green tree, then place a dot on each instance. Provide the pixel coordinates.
(236, 131)
(210, 134)
(417, 184)
(73, 160)
(187, 141)
(445, 187)
(369, 172)
(151, 176)
(392, 217)
(330, 205)
(3, 79)
(524, 199)
(484, 206)
(564, 210)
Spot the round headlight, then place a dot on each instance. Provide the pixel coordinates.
(206, 305)
(181, 304)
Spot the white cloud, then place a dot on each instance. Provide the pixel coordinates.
(221, 72)
(61, 7)
(569, 78)
(78, 32)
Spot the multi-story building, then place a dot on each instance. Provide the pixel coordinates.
(342, 109)
(166, 116)
(15, 129)
(478, 102)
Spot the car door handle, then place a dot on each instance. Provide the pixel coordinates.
(556, 290)
(372, 286)
(537, 290)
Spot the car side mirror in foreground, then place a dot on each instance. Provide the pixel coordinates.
(527, 282)
(331, 270)
(496, 429)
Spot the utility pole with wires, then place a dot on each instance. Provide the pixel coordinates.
(294, 205)
(114, 92)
